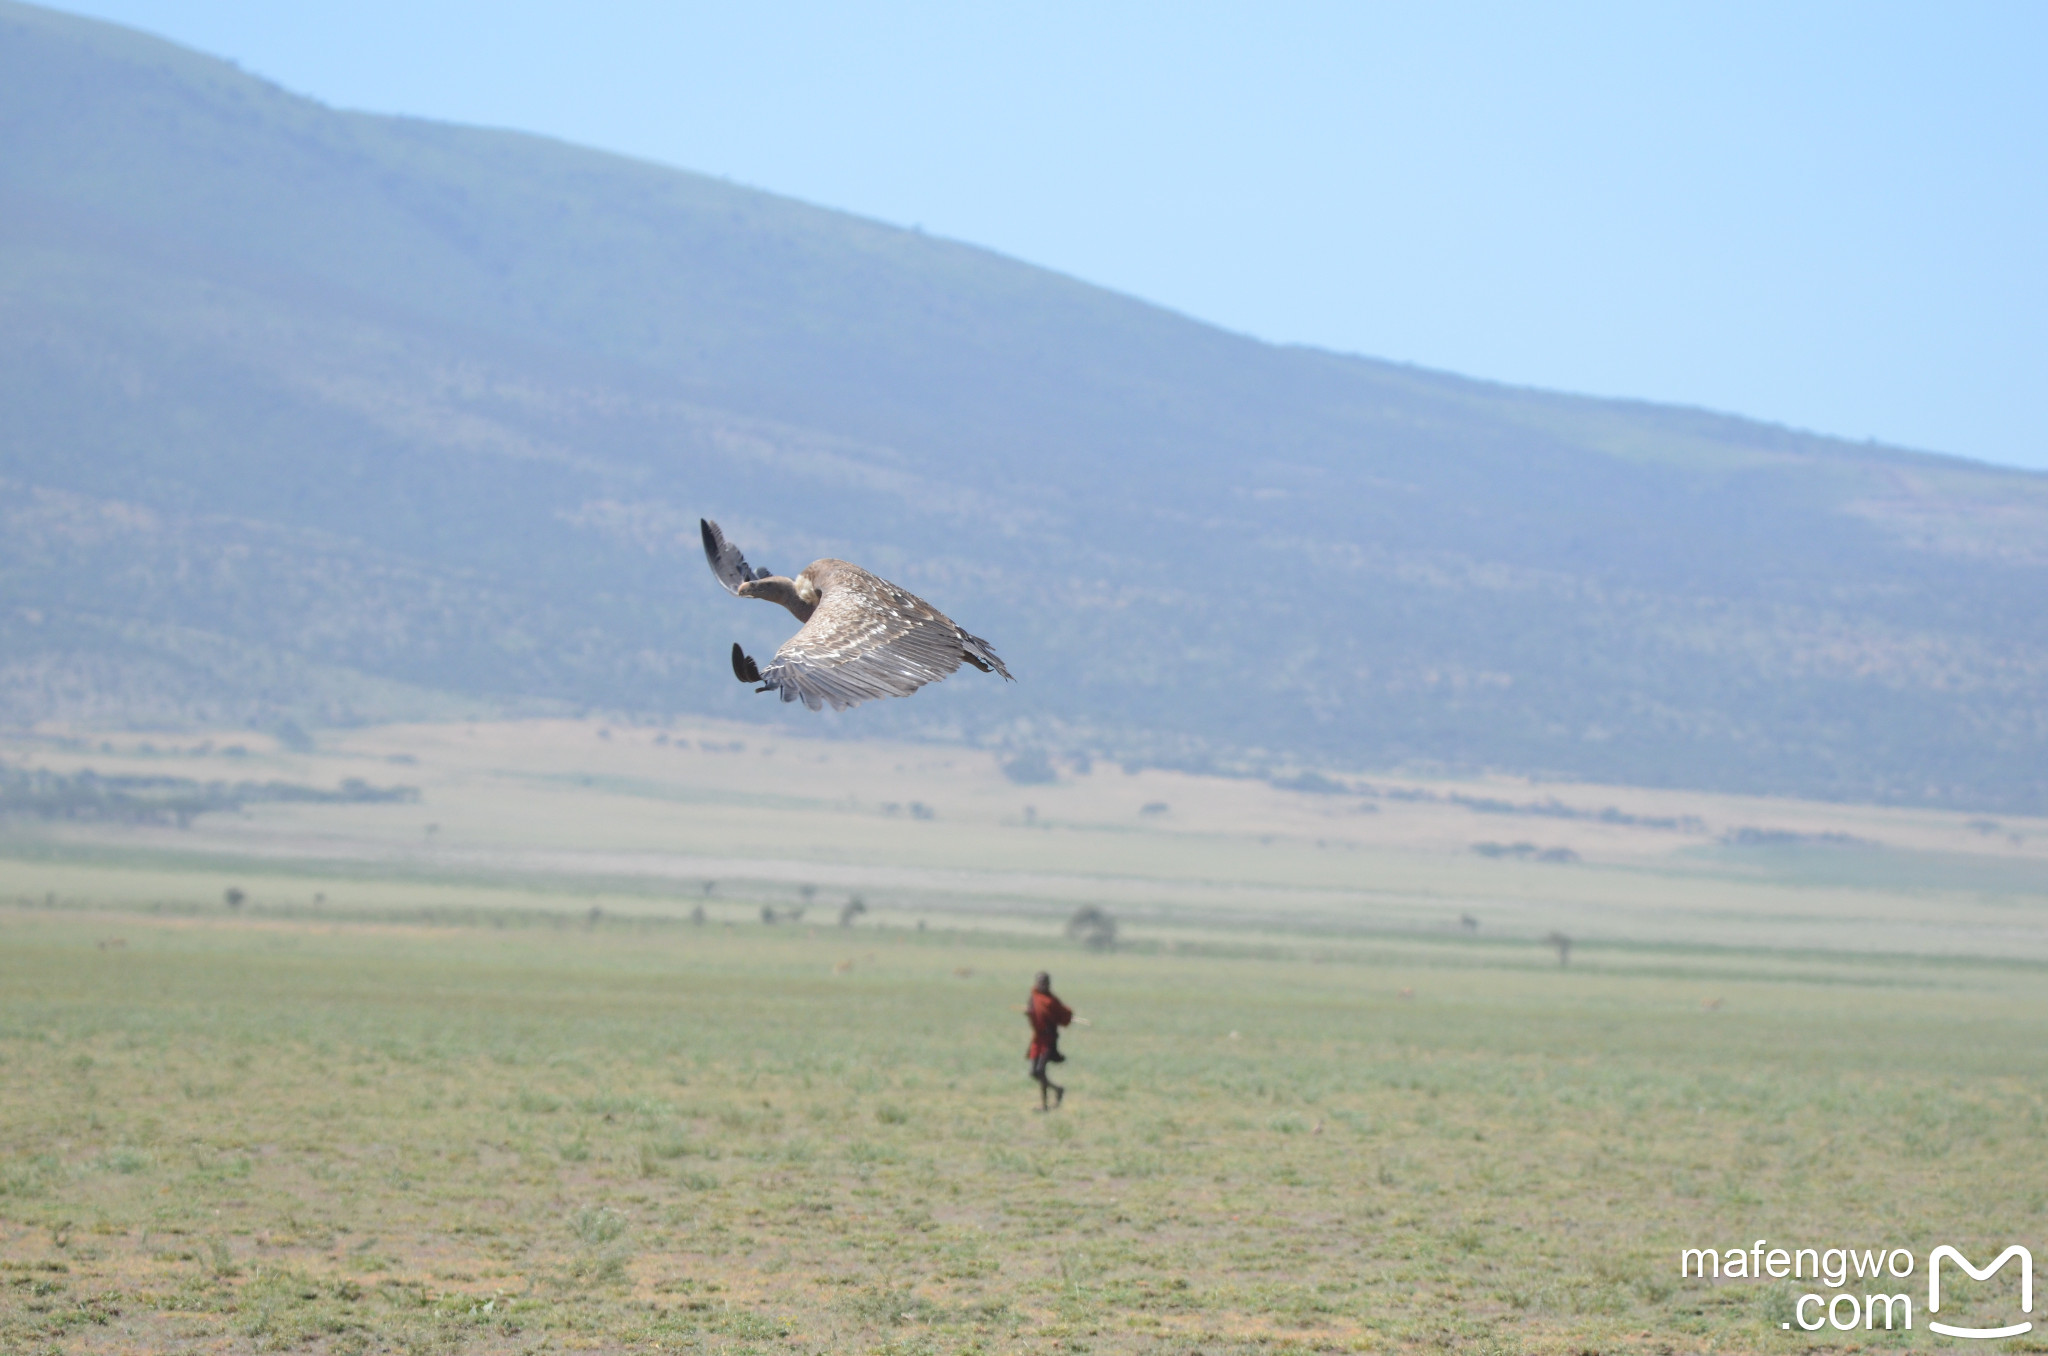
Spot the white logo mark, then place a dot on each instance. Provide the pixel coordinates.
(2026, 1289)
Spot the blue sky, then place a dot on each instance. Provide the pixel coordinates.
(1832, 216)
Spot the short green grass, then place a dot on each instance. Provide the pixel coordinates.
(230, 1134)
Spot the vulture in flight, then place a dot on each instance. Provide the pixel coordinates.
(862, 637)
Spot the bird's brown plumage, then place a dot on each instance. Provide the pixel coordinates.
(862, 637)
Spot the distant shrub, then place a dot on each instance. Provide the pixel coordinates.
(1031, 768)
(1092, 927)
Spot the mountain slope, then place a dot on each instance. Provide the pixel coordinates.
(438, 407)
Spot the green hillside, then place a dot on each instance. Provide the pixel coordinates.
(322, 415)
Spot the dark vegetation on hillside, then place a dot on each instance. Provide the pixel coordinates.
(86, 795)
(334, 417)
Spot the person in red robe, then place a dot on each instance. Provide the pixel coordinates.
(1046, 1015)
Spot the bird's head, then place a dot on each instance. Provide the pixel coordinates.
(799, 595)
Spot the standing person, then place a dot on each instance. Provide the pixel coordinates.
(1046, 1015)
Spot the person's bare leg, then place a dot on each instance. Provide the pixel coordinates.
(1043, 1084)
(1059, 1093)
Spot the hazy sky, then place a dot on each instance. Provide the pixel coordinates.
(1835, 216)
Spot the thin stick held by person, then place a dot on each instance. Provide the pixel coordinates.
(1046, 1015)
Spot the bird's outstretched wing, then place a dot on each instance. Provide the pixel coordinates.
(726, 561)
(870, 639)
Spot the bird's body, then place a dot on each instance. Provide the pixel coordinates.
(862, 637)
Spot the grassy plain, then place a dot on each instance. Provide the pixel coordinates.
(416, 1095)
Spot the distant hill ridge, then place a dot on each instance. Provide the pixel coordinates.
(319, 415)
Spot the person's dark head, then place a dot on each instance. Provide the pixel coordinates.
(1042, 984)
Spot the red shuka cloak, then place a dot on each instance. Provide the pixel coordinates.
(1047, 1015)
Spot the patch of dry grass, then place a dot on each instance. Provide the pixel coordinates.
(334, 1136)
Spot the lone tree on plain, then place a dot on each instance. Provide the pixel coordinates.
(1563, 945)
(234, 897)
(1092, 927)
(855, 907)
